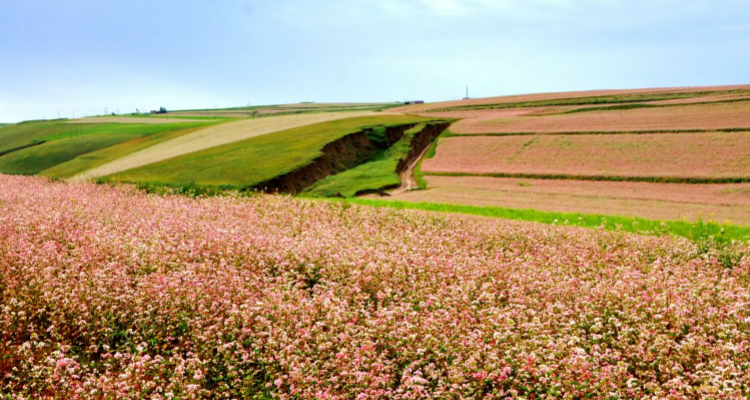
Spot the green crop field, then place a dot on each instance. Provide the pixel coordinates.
(188, 117)
(25, 133)
(252, 161)
(97, 158)
(32, 148)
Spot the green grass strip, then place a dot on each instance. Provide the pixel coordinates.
(695, 231)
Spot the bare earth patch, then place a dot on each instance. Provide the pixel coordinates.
(211, 137)
(131, 120)
(695, 155)
(662, 201)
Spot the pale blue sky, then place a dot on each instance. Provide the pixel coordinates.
(81, 56)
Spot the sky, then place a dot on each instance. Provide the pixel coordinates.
(80, 57)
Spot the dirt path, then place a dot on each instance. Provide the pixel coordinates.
(408, 178)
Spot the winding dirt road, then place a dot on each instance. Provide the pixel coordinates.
(408, 179)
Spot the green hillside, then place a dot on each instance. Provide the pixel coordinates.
(31, 148)
(252, 161)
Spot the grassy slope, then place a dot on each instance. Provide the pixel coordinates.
(374, 175)
(97, 158)
(26, 133)
(254, 160)
(62, 146)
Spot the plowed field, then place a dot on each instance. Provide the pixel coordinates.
(704, 116)
(698, 155)
(660, 201)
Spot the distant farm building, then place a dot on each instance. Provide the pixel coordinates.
(162, 110)
(408, 103)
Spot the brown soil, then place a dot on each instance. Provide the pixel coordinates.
(703, 116)
(419, 146)
(685, 155)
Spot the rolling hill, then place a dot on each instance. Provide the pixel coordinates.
(664, 154)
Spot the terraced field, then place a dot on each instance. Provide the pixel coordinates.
(655, 153)
(723, 203)
(646, 156)
(689, 116)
